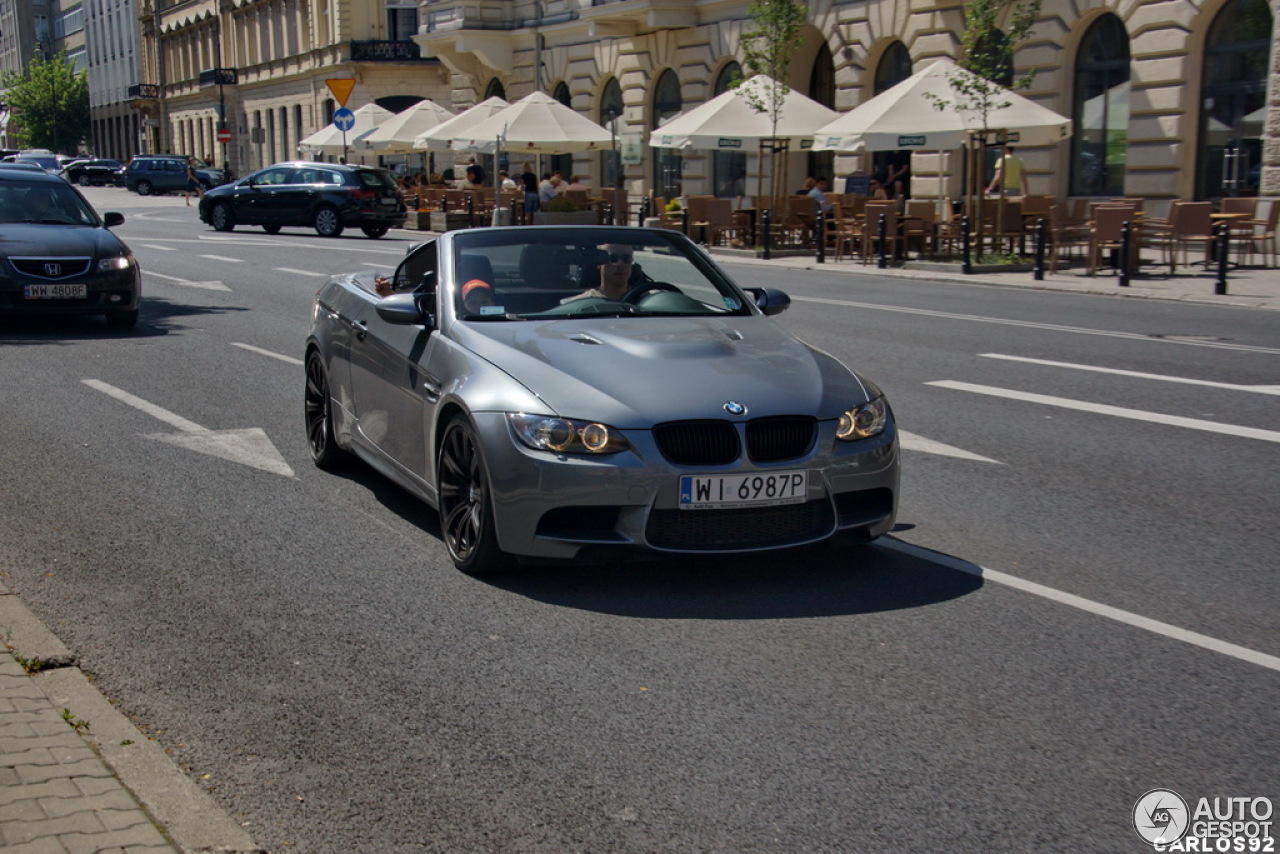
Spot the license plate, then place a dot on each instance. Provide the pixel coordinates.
(389, 201)
(55, 291)
(759, 489)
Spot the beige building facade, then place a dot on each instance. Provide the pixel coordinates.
(1167, 100)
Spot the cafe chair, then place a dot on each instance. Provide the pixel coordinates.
(1106, 236)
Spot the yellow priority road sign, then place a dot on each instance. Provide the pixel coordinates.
(341, 88)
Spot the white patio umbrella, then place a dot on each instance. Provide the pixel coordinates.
(330, 140)
(396, 134)
(438, 138)
(536, 124)
(728, 122)
(907, 116)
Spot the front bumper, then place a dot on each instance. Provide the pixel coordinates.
(117, 291)
(569, 506)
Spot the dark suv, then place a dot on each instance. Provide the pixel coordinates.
(325, 196)
(149, 174)
(87, 173)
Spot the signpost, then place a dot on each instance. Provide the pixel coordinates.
(343, 119)
(224, 135)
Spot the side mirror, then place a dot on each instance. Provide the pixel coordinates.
(111, 219)
(770, 300)
(406, 310)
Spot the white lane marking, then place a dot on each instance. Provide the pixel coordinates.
(299, 272)
(208, 286)
(161, 248)
(912, 442)
(1119, 615)
(1257, 389)
(249, 446)
(1078, 330)
(1114, 411)
(252, 349)
(224, 258)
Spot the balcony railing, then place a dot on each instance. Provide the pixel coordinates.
(385, 51)
(144, 91)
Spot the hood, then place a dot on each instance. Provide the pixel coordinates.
(52, 240)
(635, 372)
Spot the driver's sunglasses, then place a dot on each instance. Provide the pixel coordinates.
(615, 258)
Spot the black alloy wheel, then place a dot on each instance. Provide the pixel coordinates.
(327, 221)
(83, 179)
(222, 218)
(144, 188)
(317, 410)
(466, 508)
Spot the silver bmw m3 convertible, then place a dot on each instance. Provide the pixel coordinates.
(586, 393)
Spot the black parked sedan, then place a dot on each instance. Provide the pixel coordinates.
(325, 196)
(94, 173)
(58, 257)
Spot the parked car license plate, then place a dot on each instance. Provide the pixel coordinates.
(55, 291)
(705, 492)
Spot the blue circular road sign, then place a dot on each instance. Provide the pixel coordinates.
(344, 119)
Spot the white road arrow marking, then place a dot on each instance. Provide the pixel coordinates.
(912, 442)
(250, 446)
(208, 286)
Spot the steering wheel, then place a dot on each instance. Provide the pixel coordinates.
(634, 295)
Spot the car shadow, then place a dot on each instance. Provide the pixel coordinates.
(805, 582)
(782, 585)
(157, 317)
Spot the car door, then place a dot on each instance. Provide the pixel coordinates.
(393, 385)
(257, 198)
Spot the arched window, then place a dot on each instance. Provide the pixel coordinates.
(562, 163)
(1100, 112)
(728, 168)
(495, 89)
(667, 104)
(611, 107)
(822, 88)
(1233, 93)
(894, 67)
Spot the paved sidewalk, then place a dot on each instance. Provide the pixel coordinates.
(77, 776)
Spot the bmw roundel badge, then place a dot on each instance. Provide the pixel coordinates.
(734, 408)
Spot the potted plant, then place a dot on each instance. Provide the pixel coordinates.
(564, 211)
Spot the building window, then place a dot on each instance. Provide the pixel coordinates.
(1233, 100)
(822, 88)
(667, 104)
(611, 107)
(894, 67)
(402, 23)
(495, 89)
(1100, 112)
(728, 168)
(562, 163)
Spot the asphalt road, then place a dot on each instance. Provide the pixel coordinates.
(1079, 605)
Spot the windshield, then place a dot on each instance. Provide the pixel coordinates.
(50, 203)
(540, 273)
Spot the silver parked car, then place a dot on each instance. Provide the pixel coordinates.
(582, 393)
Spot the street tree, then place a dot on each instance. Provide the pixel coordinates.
(49, 104)
(767, 49)
(992, 31)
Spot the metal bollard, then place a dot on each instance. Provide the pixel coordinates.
(1042, 235)
(966, 246)
(765, 235)
(471, 209)
(820, 234)
(644, 209)
(882, 231)
(1126, 246)
(1223, 245)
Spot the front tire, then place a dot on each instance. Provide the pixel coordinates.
(83, 180)
(327, 222)
(466, 506)
(222, 218)
(122, 319)
(271, 229)
(374, 231)
(144, 188)
(318, 411)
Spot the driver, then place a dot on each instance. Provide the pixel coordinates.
(618, 273)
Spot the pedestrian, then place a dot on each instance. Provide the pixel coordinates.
(1010, 174)
(193, 182)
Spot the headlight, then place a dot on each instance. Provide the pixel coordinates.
(121, 263)
(863, 422)
(566, 436)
